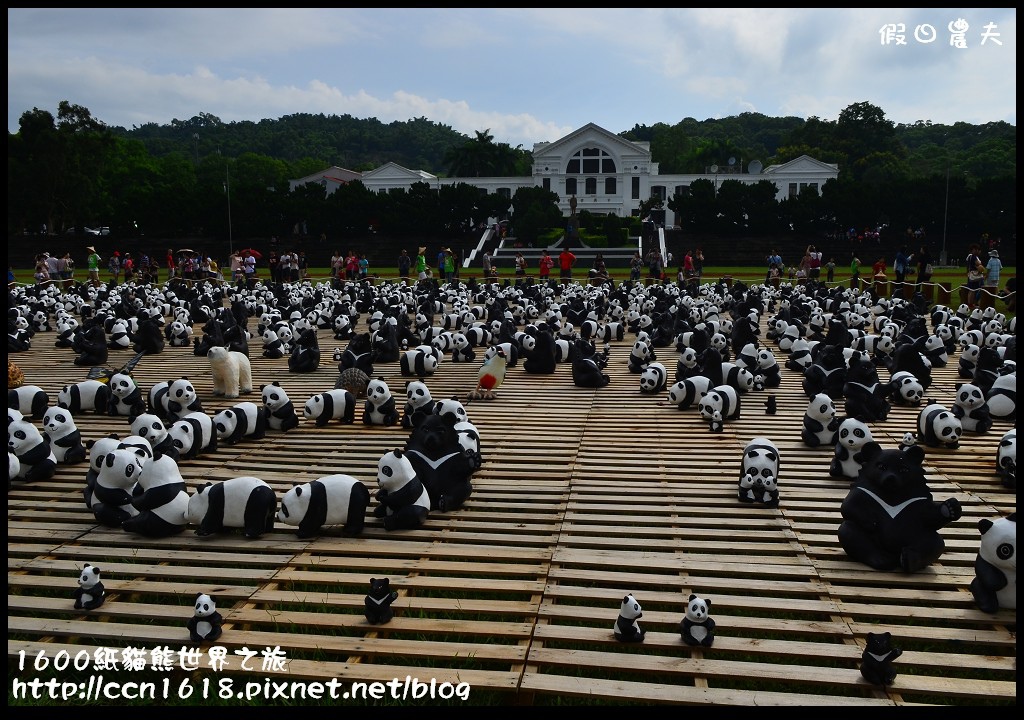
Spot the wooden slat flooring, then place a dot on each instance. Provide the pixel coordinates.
(584, 496)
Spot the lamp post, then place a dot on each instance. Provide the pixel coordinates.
(945, 219)
(227, 190)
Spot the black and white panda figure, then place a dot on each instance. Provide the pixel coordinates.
(971, 409)
(995, 569)
(280, 410)
(626, 627)
(378, 602)
(800, 355)
(1001, 397)
(906, 357)
(171, 399)
(905, 390)
(851, 437)
(86, 396)
(934, 350)
(1006, 459)
(759, 473)
(193, 435)
(152, 428)
(273, 347)
(324, 502)
(418, 363)
(820, 423)
(687, 364)
(90, 592)
(452, 407)
(161, 500)
(178, 334)
(114, 470)
(380, 407)
(419, 404)
(697, 628)
(640, 355)
(126, 397)
(719, 404)
(404, 503)
(30, 400)
(206, 624)
(338, 404)
(63, 436)
(305, 355)
(968, 361)
(36, 460)
(877, 659)
(687, 393)
(462, 348)
(768, 368)
(120, 335)
(653, 379)
(938, 427)
(243, 502)
(441, 463)
(244, 421)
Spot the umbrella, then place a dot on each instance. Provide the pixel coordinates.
(255, 253)
(186, 250)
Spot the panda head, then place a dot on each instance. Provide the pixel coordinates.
(182, 392)
(377, 391)
(942, 426)
(688, 358)
(822, 407)
(697, 609)
(394, 471)
(295, 504)
(630, 608)
(999, 543)
(121, 467)
(451, 406)
(150, 427)
(652, 378)
(417, 393)
(1006, 454)
(760, 460)
(22, 436)
(89, 577)
(853, 433)
(122, 385)
(225, 421)
(969, 396)
(274, 396)
(58, 422)
(99, 448)
(205, 606)
(182, 436)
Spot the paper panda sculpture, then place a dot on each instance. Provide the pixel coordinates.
(280, 410)
(336, 404)
(90, 592)
(161, 500)
(327, 501)
(63, 436)
(719, 404)
(193, 435)
(206, 624)
(653, 378)
(820, 423)
(152, 428)
(1006, 459)
(30, 400)
(890, 521)
(244, 421)
(380, 407)
(126, 398)
(877, 659)
(905, 389)
(851, 437)
(418, 363)
(403, 500)
(1001, 397)
(759, 473)
(36, 460)
(378, 602)
(971, 409)
(626, 628)
(687, 393)
(242, 502)
(114, 470)
(697, 628)
(273, 346)
(995, 570)
(83, 397)
(938, 427)
(419, 404)
(170, 400)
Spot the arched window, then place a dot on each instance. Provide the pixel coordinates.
(590, 161)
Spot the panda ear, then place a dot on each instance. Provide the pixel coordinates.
(692, 597)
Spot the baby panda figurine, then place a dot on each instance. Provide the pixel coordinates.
(876, 661)
(759, 473)
(378, 602)
(90, 593)
(205, 624)
(971, 409)
(995, 569)
(626, 627)
(697, 627)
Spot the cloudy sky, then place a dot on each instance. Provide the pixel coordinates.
(527, 75)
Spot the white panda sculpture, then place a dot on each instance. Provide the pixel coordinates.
(697, 628)
(905, 389)
(35, 459)
(90, 592)
(626, 628)
(971, 408)
(64, 437)
(330, 500)
(419, 403)
(995, 582)
(244, 421)
(820, 423)
(851, 437)
(719, 404)
(417, 363)
(759, 473)
(117, 471)
(160, 498)
(126, 398)
(380, 407)
(280, 409)
(244, 502)
(193, 435)
(938, 427)
(30, 400)
(404, 501)
(653, 378)
(1001, 397)
(338, 404)
(152, 428)
(1006, 459)
(688, 392)
(206, 624)
(85, 396)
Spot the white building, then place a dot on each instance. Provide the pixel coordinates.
(605, 172)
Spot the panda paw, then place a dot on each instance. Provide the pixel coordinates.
(951, 509)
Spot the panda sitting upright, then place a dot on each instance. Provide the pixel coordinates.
(971, 408)
(380, 407)
(820, 423)
(64, 437)
(627, 629)
(90, 593)
(205, 624)
(697, 627)
(995, 582)
(404, 501)
(280, 410)
(36, 460)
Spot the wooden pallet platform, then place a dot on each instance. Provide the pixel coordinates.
(584, 496)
